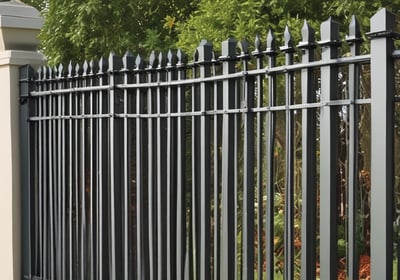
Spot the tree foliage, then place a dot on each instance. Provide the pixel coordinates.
(77, 29)
(216, 20)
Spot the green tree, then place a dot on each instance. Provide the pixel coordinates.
(216, 20)
(78, 30)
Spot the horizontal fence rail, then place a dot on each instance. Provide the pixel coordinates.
(250, 165)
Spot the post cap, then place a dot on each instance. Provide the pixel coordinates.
(19, 26)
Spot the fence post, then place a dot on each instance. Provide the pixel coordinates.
(328, 151)
(19, 26)
(228, 199)
(382, 144)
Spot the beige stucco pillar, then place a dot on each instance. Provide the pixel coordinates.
(19, 27)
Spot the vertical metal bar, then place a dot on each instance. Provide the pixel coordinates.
(151, 173)
(75, 166)
(39, 176)
(181, 184)
(236, 145)
(70, 181)
(26, 75)
(128, 65)
(328, 152)
(228, 235)
(195, 182)
(205, 56)
(382, 144)
(309, 183)
(354, 39)
(217, 162)
(51, 180)
(92, 172)
(248, 170)
(82, 171)
(271, 123)
(161, 175)
(43, 184)
(114, 65)
(169, 185)
(57, 171)
(62, 174)
(100, 266)
(288, 49)
(259, 92)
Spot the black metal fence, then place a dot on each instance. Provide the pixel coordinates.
(229, 167)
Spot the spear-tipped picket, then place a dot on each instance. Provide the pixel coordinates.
(161, 61)
(103, 65)
(354, 32)
(55, 72)
(39, 73)
(288, 46)
(182, 58)
(308, 37)
(77, 70)
(152, 60)
(271, 43)
(257, 46)
(44, 73)
(244, 49)
(172, 59)
(196, 55)
(139, 63)
(85, 68)
(60, 71)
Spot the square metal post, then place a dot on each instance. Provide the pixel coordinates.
(382, 144)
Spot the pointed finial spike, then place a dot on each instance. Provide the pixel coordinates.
(271, 42)
(288, 37)
(77, 69)
(50, 72)
(244, 47)
(103, 65)
(182, 57)
(161, 60)
(169, 55)
(308, 33)
(354, 28)
(60, 70)
(85, 68)
(70, 69)
(257, 43)
(139, 62)
(152, 60)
